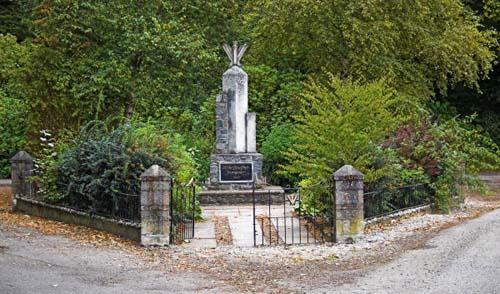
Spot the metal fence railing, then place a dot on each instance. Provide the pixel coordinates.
(293, 216)
(182, 211)
(122, 206)
(391, 199)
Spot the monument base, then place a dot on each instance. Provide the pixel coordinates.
(239, 171)
(273, 195)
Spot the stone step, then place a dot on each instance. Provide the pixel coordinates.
(273, 195)
(5, 182)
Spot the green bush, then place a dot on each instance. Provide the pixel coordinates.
(344, 122)
(102, 166)
(277, 142)
(12, 130)
(448, 153)
(272, 95)
(370, 127)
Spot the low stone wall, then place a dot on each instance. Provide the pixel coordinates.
(490, 179)
(397, 214)
(127, 230)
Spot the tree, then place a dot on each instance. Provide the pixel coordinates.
(13, 108)
(485, 101)
(13, 17)
(96, 60)
(418, 46)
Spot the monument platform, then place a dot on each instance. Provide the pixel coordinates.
(272, 194)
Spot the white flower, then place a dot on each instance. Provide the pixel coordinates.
(50, 144)
(43, 139)
(45, 133)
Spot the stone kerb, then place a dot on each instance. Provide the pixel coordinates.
(21, 168)
(155, 207)
(349, 203)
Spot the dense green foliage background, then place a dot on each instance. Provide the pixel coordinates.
(399, 89)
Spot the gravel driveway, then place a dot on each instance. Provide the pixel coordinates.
(34, 263)
(461, 259)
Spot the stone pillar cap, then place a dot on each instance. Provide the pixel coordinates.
(21, 156)
(348, 172)
(234, 70)
(154, 172)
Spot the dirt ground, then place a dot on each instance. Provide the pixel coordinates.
(4, 198)
(250, 270)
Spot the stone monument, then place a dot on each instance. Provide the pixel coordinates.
(236, 166)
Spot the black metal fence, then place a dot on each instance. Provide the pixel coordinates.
(127, 207)
(122, 206)
(182, 211)
(293, 216)
(391, 199)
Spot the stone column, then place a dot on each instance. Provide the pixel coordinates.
(235, 90)
(251, 132)
(21, 169)
(155, 207)
(349, 203)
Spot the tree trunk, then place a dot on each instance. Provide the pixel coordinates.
(130, 105)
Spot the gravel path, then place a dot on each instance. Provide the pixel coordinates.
(462, 259)
(35, 263)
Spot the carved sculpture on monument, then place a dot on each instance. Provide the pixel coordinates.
(236, 165)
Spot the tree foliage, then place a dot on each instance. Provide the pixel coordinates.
(484, 101)
(96, 60)
(332, 82)
(13, 108)
(343, 122)
(14, 16)
(417, 46)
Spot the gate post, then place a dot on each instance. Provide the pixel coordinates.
(155, 207)
(21, 169)
(349, 220)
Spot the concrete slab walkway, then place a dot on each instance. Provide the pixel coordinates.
(240, 218)
(204, 234)
(241, 224)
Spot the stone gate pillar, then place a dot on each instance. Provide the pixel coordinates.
(349, 203)
(21, 169)
(155, 207)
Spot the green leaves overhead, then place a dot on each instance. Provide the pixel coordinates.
(415, 45)
(98, 59)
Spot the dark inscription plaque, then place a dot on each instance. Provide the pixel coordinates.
(236, 172)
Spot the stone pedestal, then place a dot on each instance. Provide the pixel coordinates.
(235, 171)
(349, 203)
(155, 207)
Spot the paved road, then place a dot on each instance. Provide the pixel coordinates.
(462, 259)
(42, 264)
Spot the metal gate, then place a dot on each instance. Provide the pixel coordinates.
(182, 211)
(293, 216)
